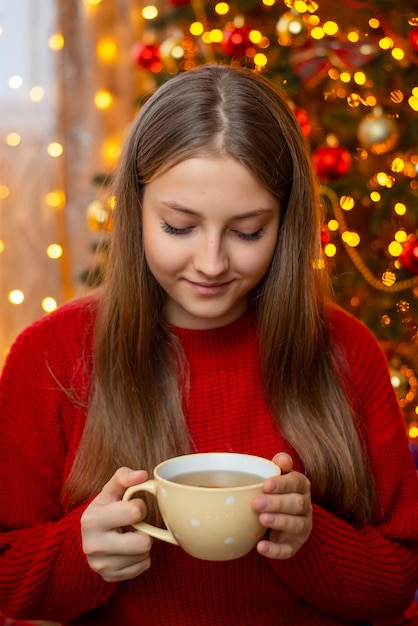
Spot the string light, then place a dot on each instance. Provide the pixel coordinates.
(54, 251)
(106, 49)
(222, 8)
(149, 12)
(55, 149)
(347, 84)
(37, 93)
(49, 304)
(56, 42)
(103, 99)
(16, 296)
(15, 82)
(12, 139)
(55, 199)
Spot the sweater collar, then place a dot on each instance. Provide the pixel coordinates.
(217, 346)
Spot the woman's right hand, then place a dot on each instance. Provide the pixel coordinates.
(114, 554)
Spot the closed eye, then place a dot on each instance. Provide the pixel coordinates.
(171, 230)
(251, 236)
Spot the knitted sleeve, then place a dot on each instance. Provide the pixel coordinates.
(368, 573)
(43, 572)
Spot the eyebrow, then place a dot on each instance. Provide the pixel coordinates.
(240, 216)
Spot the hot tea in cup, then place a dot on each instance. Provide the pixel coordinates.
(205, 502)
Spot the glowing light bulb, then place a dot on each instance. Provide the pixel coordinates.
(103, 99)
(330, 250)
(13, 139)
(16, 296)
(222, 8)
(330, 28)
(260, 59)
(149, 12)
(317, 33)
(15, 82)
(36, 93)
(55, 199)
(49, 304)
(398, 54)
(401, 236)
(347, 203)
(395, 248)
(196, 29)
(55, 149)
(54, 251)
(399, 208)
(351, 238)
(56, 42)
(111, 150)
(106, 49)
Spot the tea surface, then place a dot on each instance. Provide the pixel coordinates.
(216, 478)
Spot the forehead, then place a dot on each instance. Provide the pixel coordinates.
(203, 183)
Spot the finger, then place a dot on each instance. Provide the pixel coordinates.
(287, 504)
(132, 544)
(284, 461)
(115, 515)
(98, 545)
(293, 482)
(123, 478)
(132, 559)
(272, 550)
(289, 525)
(111, 572)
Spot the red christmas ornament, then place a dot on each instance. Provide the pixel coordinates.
(302, 118)
(413, 39)
(325, 236)
(147, 56)
(409, 257)
(331, 162)
(235, 42)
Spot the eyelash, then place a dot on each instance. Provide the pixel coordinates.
(175, 231)
(251, 236)
(171, 230)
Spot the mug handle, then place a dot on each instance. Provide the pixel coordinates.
(144, 527)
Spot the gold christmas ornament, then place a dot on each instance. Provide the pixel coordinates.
(98, 216)
(377, 132)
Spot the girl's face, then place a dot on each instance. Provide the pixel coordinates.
(210, 229)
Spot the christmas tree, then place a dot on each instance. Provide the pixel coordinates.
(350, 71)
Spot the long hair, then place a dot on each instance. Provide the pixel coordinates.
(135, 415)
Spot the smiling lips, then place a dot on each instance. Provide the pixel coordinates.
(208, 289)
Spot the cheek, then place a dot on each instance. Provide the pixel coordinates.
(257, 262)
(162, 256)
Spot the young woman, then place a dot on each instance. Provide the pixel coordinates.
(214, 331)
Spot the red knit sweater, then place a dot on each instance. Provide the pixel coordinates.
(339, 576)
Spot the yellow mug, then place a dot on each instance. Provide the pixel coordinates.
(205, 502)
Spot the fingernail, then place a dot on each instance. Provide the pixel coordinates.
(268, 518)
(261, 503)
(134, 473)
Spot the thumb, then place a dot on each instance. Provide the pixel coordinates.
(284, 461)
(123, 478)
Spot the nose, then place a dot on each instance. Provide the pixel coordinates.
(211, 258)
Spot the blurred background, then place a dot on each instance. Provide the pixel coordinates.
(73, 73)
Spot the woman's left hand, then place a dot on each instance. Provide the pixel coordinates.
(285, 508)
